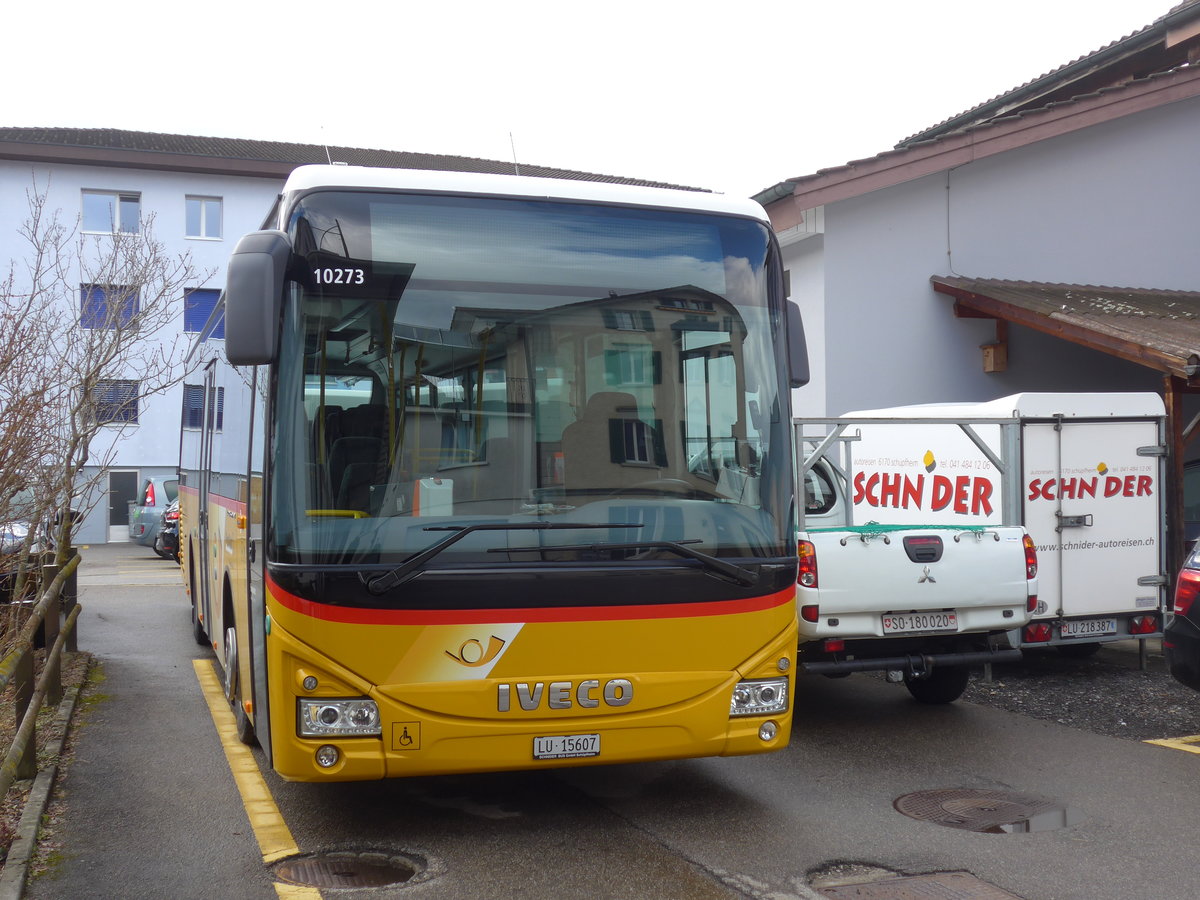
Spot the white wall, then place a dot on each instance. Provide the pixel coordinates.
(805, 262)
(152, 446)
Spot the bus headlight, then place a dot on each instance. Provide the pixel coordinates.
(351, 718)
(759, 698)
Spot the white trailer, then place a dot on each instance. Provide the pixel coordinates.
(1083, 472)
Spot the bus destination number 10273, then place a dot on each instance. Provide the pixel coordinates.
(331, 275)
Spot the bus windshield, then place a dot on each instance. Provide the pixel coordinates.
(448, 362)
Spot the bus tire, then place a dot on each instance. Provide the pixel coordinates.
(197, 625)
(944, 684)
(245, 730)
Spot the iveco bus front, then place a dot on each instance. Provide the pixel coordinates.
(519, 484)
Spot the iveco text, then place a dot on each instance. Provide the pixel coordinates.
(617, 692)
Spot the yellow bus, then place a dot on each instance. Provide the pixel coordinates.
(494, 472)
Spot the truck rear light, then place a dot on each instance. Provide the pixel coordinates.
(1038, 633)
(1030, 558)
(810, 613)
(834, 645)
(1143, 625)
(1031, 603)
(807, 576)
(1186, 591)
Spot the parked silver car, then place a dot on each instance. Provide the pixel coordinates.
(145, 514)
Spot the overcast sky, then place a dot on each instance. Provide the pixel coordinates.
(733, 96)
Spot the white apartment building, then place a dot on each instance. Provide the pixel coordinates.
(201, 194)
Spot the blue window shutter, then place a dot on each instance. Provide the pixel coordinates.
(198, 304)
(93, 304)
(193, 405)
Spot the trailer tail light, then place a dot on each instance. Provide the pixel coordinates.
(807, 576)
(810, 613)
(1186, 591)
(1037, 633)
(1143, 625)
(1030, 558)
(1031, 603)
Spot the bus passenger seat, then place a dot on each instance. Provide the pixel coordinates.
(358, 456)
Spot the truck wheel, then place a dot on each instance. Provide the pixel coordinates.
(945, 684)
(1079, 651)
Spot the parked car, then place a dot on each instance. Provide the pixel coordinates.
(167, 543)
(22, 509)
(1181, 639)
(145, 514)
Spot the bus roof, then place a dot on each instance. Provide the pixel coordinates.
(306, 178)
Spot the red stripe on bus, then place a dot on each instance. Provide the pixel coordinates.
(359, 616)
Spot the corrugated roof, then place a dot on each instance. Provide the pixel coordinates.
(1155, 328)
(144, 149)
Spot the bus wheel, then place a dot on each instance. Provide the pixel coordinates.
(197, 625)
(944, 684)
(245, 730)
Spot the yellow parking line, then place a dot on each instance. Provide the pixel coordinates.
(274, 838)
(1184, 743)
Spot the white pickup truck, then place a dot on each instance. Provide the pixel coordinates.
(923, 603)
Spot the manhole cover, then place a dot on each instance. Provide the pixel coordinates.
(348, 870)
(959, 885)
(994, 812)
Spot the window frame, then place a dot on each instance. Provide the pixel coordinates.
(204, 200)
(116, 220)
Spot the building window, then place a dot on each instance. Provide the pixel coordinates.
(106, 306)
(203, 215)
(198, 304)
(115, 401)
(107, 212)
(193, 407)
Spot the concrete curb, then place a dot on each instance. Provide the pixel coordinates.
(20, 854)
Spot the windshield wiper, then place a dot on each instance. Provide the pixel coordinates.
(412, 566)
(744, 577)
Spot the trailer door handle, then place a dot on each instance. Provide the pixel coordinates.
(1073, 521)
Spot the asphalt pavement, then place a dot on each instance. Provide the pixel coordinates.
(148, 807)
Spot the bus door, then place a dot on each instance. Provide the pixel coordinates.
(208, 426)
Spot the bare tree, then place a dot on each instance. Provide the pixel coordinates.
(88, 331)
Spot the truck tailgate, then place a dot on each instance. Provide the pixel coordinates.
(864, 570)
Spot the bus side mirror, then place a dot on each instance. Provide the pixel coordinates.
(254, 297)
(797, 347)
